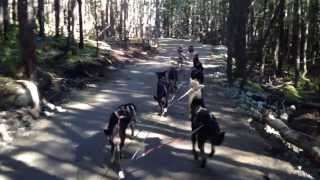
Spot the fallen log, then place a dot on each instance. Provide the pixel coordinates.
(307, 117)
(275, 143)
(307, 143)
(311, 105)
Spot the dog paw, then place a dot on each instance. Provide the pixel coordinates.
(195, 157)
(211, 154)
(203, 163)
(112, 160)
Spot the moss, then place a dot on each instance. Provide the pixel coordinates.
(254, 86)
(292, 93)
(9, 54)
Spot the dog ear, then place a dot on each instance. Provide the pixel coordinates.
(163, 73)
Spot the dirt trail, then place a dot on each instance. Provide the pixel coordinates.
(71, 145)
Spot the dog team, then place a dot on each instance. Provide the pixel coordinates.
(204, 125)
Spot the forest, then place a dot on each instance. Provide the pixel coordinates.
(275, 40)
(272, 47)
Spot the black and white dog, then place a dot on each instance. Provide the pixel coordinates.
(197, 69)
(205, 128)
(162, 92)
(120, 119)
(173, 79)
(197, 74)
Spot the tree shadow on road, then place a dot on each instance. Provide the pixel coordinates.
(25, 172)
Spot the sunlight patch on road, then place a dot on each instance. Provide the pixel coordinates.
(211, 66)
(91, 133)
(154, 62)
(29, 157)
(140, 95)
(80, 106)
(135, 72)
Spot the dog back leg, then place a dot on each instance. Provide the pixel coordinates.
(212, 150)
(122, 141)
(202, 154)
(194, 151)
(112, 160)
(111, 144)
(132, 127)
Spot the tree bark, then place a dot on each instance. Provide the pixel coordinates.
(26, 37)
(230, 39)
(120, 26)
(57, 17)
(240, 40)
(81, 41)
(125, 17)
(70, 23)
(14, 11)
(296, 37)
(40, 16)
(304, 34)
(6, 22)
(112, 18)
(1, 19)
(281, 38)
(157, 20)
(107, 16)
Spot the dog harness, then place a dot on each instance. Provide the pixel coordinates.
(200, 108)
(117, 114)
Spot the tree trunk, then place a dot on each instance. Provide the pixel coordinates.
(240, 40)
(1, 19)
(70, 23)
(281, 43)
(230, 39)
(14, 11)
(313, 19)
(120, 26)
(304, 35)
(107, 17)
(125, 17)
(27, 44)
(81, 43)
(157, 20)
(5, 19)
(57, 17)
(112, 18)
(40, 16)
(261, 51)
(296, 37)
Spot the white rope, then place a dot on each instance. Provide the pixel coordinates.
(185, 94)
